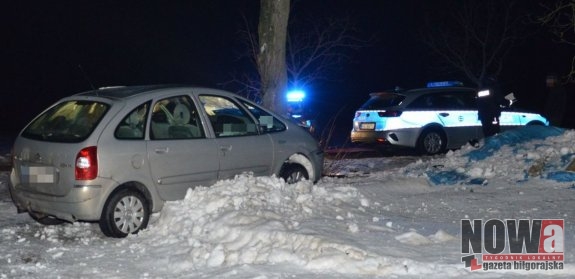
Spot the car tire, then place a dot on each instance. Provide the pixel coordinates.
(294, 173)
(125, 212)
(45, 219)
(431, 141)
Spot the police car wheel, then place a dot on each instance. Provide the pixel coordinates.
(431, 142)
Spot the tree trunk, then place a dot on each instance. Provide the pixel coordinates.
(271, 58)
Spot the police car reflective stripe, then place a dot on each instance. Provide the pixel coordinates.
(416, 119)
(457, 118)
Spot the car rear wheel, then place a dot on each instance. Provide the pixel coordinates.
(126, 212)
(45, 219)
(431, 142)
(294, 173)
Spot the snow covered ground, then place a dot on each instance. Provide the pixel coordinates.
(392, 217)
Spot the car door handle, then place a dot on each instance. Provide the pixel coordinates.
(225, 148)
(161, 150)
(444, 114)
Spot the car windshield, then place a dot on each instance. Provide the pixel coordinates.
(70, 121)
(382, 101)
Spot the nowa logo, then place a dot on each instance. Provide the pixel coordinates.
(512, 244)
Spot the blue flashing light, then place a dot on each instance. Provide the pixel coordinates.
(295, 96)
(444, 83)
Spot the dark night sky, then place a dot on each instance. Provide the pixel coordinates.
(53, 49)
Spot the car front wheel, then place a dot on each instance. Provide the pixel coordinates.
(294, 173)
(126, 212)
(431, 142)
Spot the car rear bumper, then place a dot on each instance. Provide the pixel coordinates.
(83, 202)
(368, 137)
(403, 137)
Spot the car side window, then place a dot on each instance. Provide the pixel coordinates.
(133, 125)
(425, 102)
(227, 118)
(449, 101)
(444, 101)
(175, 118)
(469, 101)
(267, 122)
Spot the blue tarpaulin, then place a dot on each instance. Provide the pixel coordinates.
(561, 176)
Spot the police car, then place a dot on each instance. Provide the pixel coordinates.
(433, 119)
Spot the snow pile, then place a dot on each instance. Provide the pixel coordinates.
(252, 220)
(514, 156)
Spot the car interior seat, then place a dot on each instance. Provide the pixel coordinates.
(181, 127)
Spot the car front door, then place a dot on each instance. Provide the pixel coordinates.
(181, 156)
(241, 148)
(509, 120)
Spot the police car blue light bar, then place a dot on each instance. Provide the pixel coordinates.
(295, 96)
(444, 83)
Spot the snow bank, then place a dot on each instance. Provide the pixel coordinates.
(513, 138)
(252, 220)
(515, 156)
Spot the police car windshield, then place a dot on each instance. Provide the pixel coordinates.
(382, 101)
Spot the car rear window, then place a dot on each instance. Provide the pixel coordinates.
(70, 121)
(382, 101)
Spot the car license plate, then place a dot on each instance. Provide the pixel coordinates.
(367, 126)
(37, 174)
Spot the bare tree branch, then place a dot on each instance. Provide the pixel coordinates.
(559, 18)
(473, 37)
(313, 54)
(247, 83)
(322, 50)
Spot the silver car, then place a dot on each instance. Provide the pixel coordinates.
(431, 120)
(115, 155)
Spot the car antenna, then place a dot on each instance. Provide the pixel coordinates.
(86, 76)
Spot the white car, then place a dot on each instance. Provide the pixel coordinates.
(432, 119)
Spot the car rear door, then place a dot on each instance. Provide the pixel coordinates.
(457, 112)
(180, 154)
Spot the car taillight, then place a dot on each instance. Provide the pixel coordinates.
(87, 163)
(389, 113)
